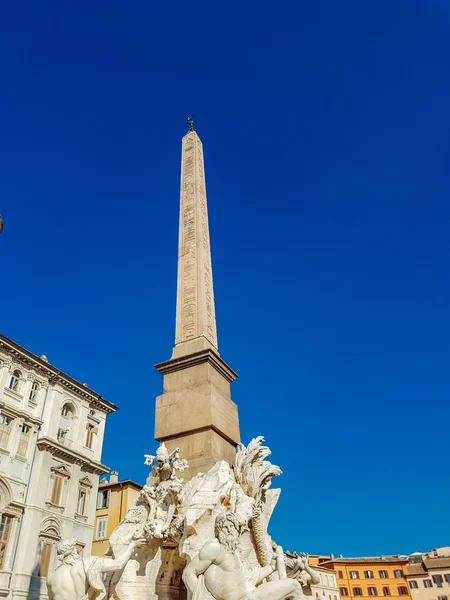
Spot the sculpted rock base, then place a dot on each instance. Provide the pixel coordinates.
(203, 540)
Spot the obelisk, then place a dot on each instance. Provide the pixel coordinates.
(195, 413)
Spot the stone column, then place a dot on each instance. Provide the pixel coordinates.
(4, 373)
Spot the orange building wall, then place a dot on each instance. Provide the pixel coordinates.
(344, 579)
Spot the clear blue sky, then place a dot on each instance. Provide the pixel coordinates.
(326, 128)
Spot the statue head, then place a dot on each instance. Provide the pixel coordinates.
(66, 551)
(227, 530)
(162, 454)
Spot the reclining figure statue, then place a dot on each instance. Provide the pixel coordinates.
(77, 578)
(219, 567)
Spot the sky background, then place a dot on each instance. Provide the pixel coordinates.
(326, 129)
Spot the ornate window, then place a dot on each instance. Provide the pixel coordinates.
(59, 475)
(44, 563)
(24, 440)
(81, 504)
(58, 482)
(33, 392)
(65, 423)
(5, 431)
(83, 494)
(48, 539)
(5, 528)
(91, 432)
(14, 382)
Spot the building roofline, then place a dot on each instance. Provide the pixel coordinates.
(122, 483)
(367, 559)
(56, 375)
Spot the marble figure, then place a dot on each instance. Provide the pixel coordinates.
(219, 568)
(77, 578)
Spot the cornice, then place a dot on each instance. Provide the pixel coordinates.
(47, 444)
(30, 360)
(12, 411)
(197, 358)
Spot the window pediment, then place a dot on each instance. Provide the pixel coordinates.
(61, 470)
(86, 482)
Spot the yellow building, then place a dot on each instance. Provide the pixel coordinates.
(114, 499)
(365, 577)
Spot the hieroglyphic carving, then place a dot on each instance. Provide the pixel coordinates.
(195, 302)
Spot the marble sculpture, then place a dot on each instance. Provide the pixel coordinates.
(205, 539)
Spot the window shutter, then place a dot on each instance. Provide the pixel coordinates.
(56, 491)
(101, 528)
(44, 564)
(5, 526)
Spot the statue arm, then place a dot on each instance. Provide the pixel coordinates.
(266, 571)
(116, 564)
(200, 563)
(315, 579)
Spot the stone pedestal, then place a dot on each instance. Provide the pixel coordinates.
(195, 412)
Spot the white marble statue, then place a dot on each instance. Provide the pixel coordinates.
(77, 578)
(163, 495)
(254, 475)
(218, 567)
(298, 568)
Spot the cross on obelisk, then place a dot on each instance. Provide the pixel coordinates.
(195, 413)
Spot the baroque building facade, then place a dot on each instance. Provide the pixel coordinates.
(51, 437)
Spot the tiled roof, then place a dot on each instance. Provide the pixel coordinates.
(416, 569)
(437, 563)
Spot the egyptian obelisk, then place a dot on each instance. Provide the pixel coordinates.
(195, 413)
